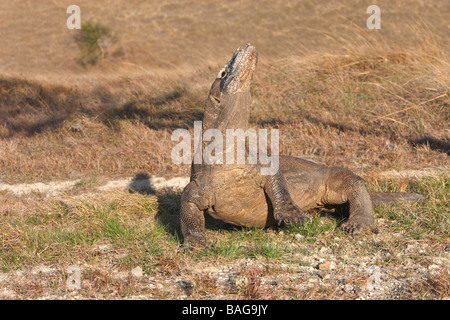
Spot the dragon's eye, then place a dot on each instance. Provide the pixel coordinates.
(222, 73)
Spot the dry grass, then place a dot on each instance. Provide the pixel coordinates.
(338, 92)
(330, 109)
(175, 34)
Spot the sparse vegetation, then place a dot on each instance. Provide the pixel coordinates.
(94, 41)
(112, 233)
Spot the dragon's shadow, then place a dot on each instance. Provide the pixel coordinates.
(169, 201)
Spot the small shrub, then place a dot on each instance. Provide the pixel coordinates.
(94, 41)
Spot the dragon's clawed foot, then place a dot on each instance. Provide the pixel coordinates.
(292, 214)
(194, 241)
(358, 225)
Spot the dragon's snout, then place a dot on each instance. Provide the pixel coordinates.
(238, 72)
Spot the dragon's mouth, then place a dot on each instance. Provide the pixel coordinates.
(238, 72)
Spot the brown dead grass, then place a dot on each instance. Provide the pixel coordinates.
(329, 108)
(175, 34)
(340, 93)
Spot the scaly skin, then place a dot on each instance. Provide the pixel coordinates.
(240, 195)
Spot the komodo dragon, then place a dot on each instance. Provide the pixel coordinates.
(241, 195)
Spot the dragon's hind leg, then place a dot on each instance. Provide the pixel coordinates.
(344, 187)
(314, 185)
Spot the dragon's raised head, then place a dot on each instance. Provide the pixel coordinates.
(228, 103)
(237, 74)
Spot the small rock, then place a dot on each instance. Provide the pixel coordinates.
(242, 282)
(325, 250)
(299, 237)
(313, 280)
(433, 267)
(137, 272)
(326, 265)
(186, 285)
(348, 288)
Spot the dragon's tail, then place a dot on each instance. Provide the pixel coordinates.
(386, 197)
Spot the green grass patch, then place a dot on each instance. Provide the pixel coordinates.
(70, 231)
(114, 229)
(88, 41)
(245, 243)
(423, 220)
(271, 250)
(318, 227)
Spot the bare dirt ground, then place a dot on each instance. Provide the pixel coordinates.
(56, 187)
(145, 182)
(86, 178)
